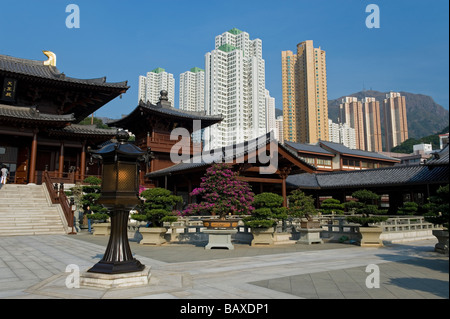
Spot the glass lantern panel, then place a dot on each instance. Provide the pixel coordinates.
(109, 177)
(126, 178)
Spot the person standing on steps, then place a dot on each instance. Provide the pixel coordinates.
(4, 174)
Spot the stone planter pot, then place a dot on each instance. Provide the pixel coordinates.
(101, 229)
(220, 238)
(442, 237)
(220, 223)
(152, 235)
(370, 236)
(310, 224)
(310, 236)
(262, 236)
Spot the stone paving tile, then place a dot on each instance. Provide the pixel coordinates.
(416, 278)
(191, 272)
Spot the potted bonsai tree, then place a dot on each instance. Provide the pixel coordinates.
(222, 195)
(94, 214)
(332, 206)
(158, 204)
(366, 206)
(268, 211)
(437, 212)
(302, 206)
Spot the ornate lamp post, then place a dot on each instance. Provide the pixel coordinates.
(119, 193)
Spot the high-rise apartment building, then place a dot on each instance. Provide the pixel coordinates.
(235, 88)
(372, 125)
(279, 136)
(305, 99)
(151, 85)
(342, 134)
(395, 120)
(192, 90)
(351, 112)
(270, 112)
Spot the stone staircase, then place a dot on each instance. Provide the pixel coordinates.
(27, 210)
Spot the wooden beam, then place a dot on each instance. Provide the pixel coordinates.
(259, 179)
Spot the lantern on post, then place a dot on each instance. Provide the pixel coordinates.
(119, 193)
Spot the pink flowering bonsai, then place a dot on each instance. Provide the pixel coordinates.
(221, 194)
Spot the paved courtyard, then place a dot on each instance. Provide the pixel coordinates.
(34, 267)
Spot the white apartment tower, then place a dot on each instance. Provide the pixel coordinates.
(279, 132)
(342, 134)
(270, 113)
(192, 90)
(235, 88)
(151, 85)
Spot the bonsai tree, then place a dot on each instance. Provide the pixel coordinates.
(91, 194)
(437, 209)
(268, 210)
(331, 205)
(221, 194)
(301, 205)
(157, 207)
(408, 208)
(366, 205)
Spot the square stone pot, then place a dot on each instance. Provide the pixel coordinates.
(101, 229)
(262, 236)
(152, 235)
(370, 236)
(310, 236)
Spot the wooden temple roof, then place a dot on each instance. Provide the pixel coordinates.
(147, 115)
(240, 154)
(394, 176)
(41, 84)
(23, 114)
(38, 69)
(77, 130)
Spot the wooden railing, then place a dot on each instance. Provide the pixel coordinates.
(58, 196)
(65, 177)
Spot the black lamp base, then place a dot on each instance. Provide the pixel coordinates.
(104, 267)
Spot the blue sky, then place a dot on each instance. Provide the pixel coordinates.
(124, 39)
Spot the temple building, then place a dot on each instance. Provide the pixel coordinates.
(40, 108)
(153, 125)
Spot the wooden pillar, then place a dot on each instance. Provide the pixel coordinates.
(283, 191)
(33, 157)
(284, 173)
(83, 161)
(61, 160)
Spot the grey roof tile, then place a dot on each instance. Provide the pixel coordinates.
(31, 113)
(38, 69)
(388, 176)
(342, 149)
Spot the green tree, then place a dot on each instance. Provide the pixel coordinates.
(96, 121)
(437, 209)
(157, 207)
(301, 205)
(367, 206)
(268, 210)
(408, 208)
(331, 205)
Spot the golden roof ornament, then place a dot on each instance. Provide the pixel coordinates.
(51, 58)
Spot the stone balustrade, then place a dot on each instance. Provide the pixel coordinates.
(190, 230)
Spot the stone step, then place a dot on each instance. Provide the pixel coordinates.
(31, 232)
(26, 211)
(29, 212)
